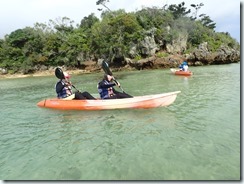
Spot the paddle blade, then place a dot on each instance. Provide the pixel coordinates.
(106, 68)
(59, 73)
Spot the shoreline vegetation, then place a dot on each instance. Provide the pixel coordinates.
(144, 64)
(150, 38)
(91, 67)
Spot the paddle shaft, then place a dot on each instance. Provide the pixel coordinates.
(108, 72)
(75, 88)
(119, 85)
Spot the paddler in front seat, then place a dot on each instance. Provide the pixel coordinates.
(64, 90)
(106, 90)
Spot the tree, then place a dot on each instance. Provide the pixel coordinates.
(18, 38)
(207, 22)
(63, 25)
(197, 7)
(178, 10)
(87, 22)
(103, 3)
(113, 35)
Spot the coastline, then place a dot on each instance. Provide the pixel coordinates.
(91, 68)
(39, 74)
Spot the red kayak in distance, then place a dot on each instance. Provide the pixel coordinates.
(181, 72)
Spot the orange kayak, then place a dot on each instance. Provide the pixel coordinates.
(138, 102)
(180, 72)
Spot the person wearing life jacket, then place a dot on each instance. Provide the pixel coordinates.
(183, 66)
(107, 91)
(64, 90)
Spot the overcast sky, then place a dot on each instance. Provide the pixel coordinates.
(18, 14)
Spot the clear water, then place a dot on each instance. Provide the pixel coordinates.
(195, 138)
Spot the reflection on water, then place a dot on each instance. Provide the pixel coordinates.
(195, 138)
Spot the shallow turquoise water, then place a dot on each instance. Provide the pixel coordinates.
(196, 138)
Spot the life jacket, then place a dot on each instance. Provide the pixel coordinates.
(105, 92)
(185, 67)
(65, 91)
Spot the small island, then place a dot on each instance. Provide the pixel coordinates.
(150, 38)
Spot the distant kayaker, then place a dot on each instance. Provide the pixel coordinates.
(184, 66)
(64, 90)
(106, 90)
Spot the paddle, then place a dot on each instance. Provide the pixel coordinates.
(106, 69)
(60, 75)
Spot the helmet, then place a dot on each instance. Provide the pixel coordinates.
(66, 75)
(184, 63)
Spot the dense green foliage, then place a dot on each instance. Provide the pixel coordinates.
(61, 43)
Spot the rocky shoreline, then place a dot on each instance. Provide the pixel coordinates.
(199, 57)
